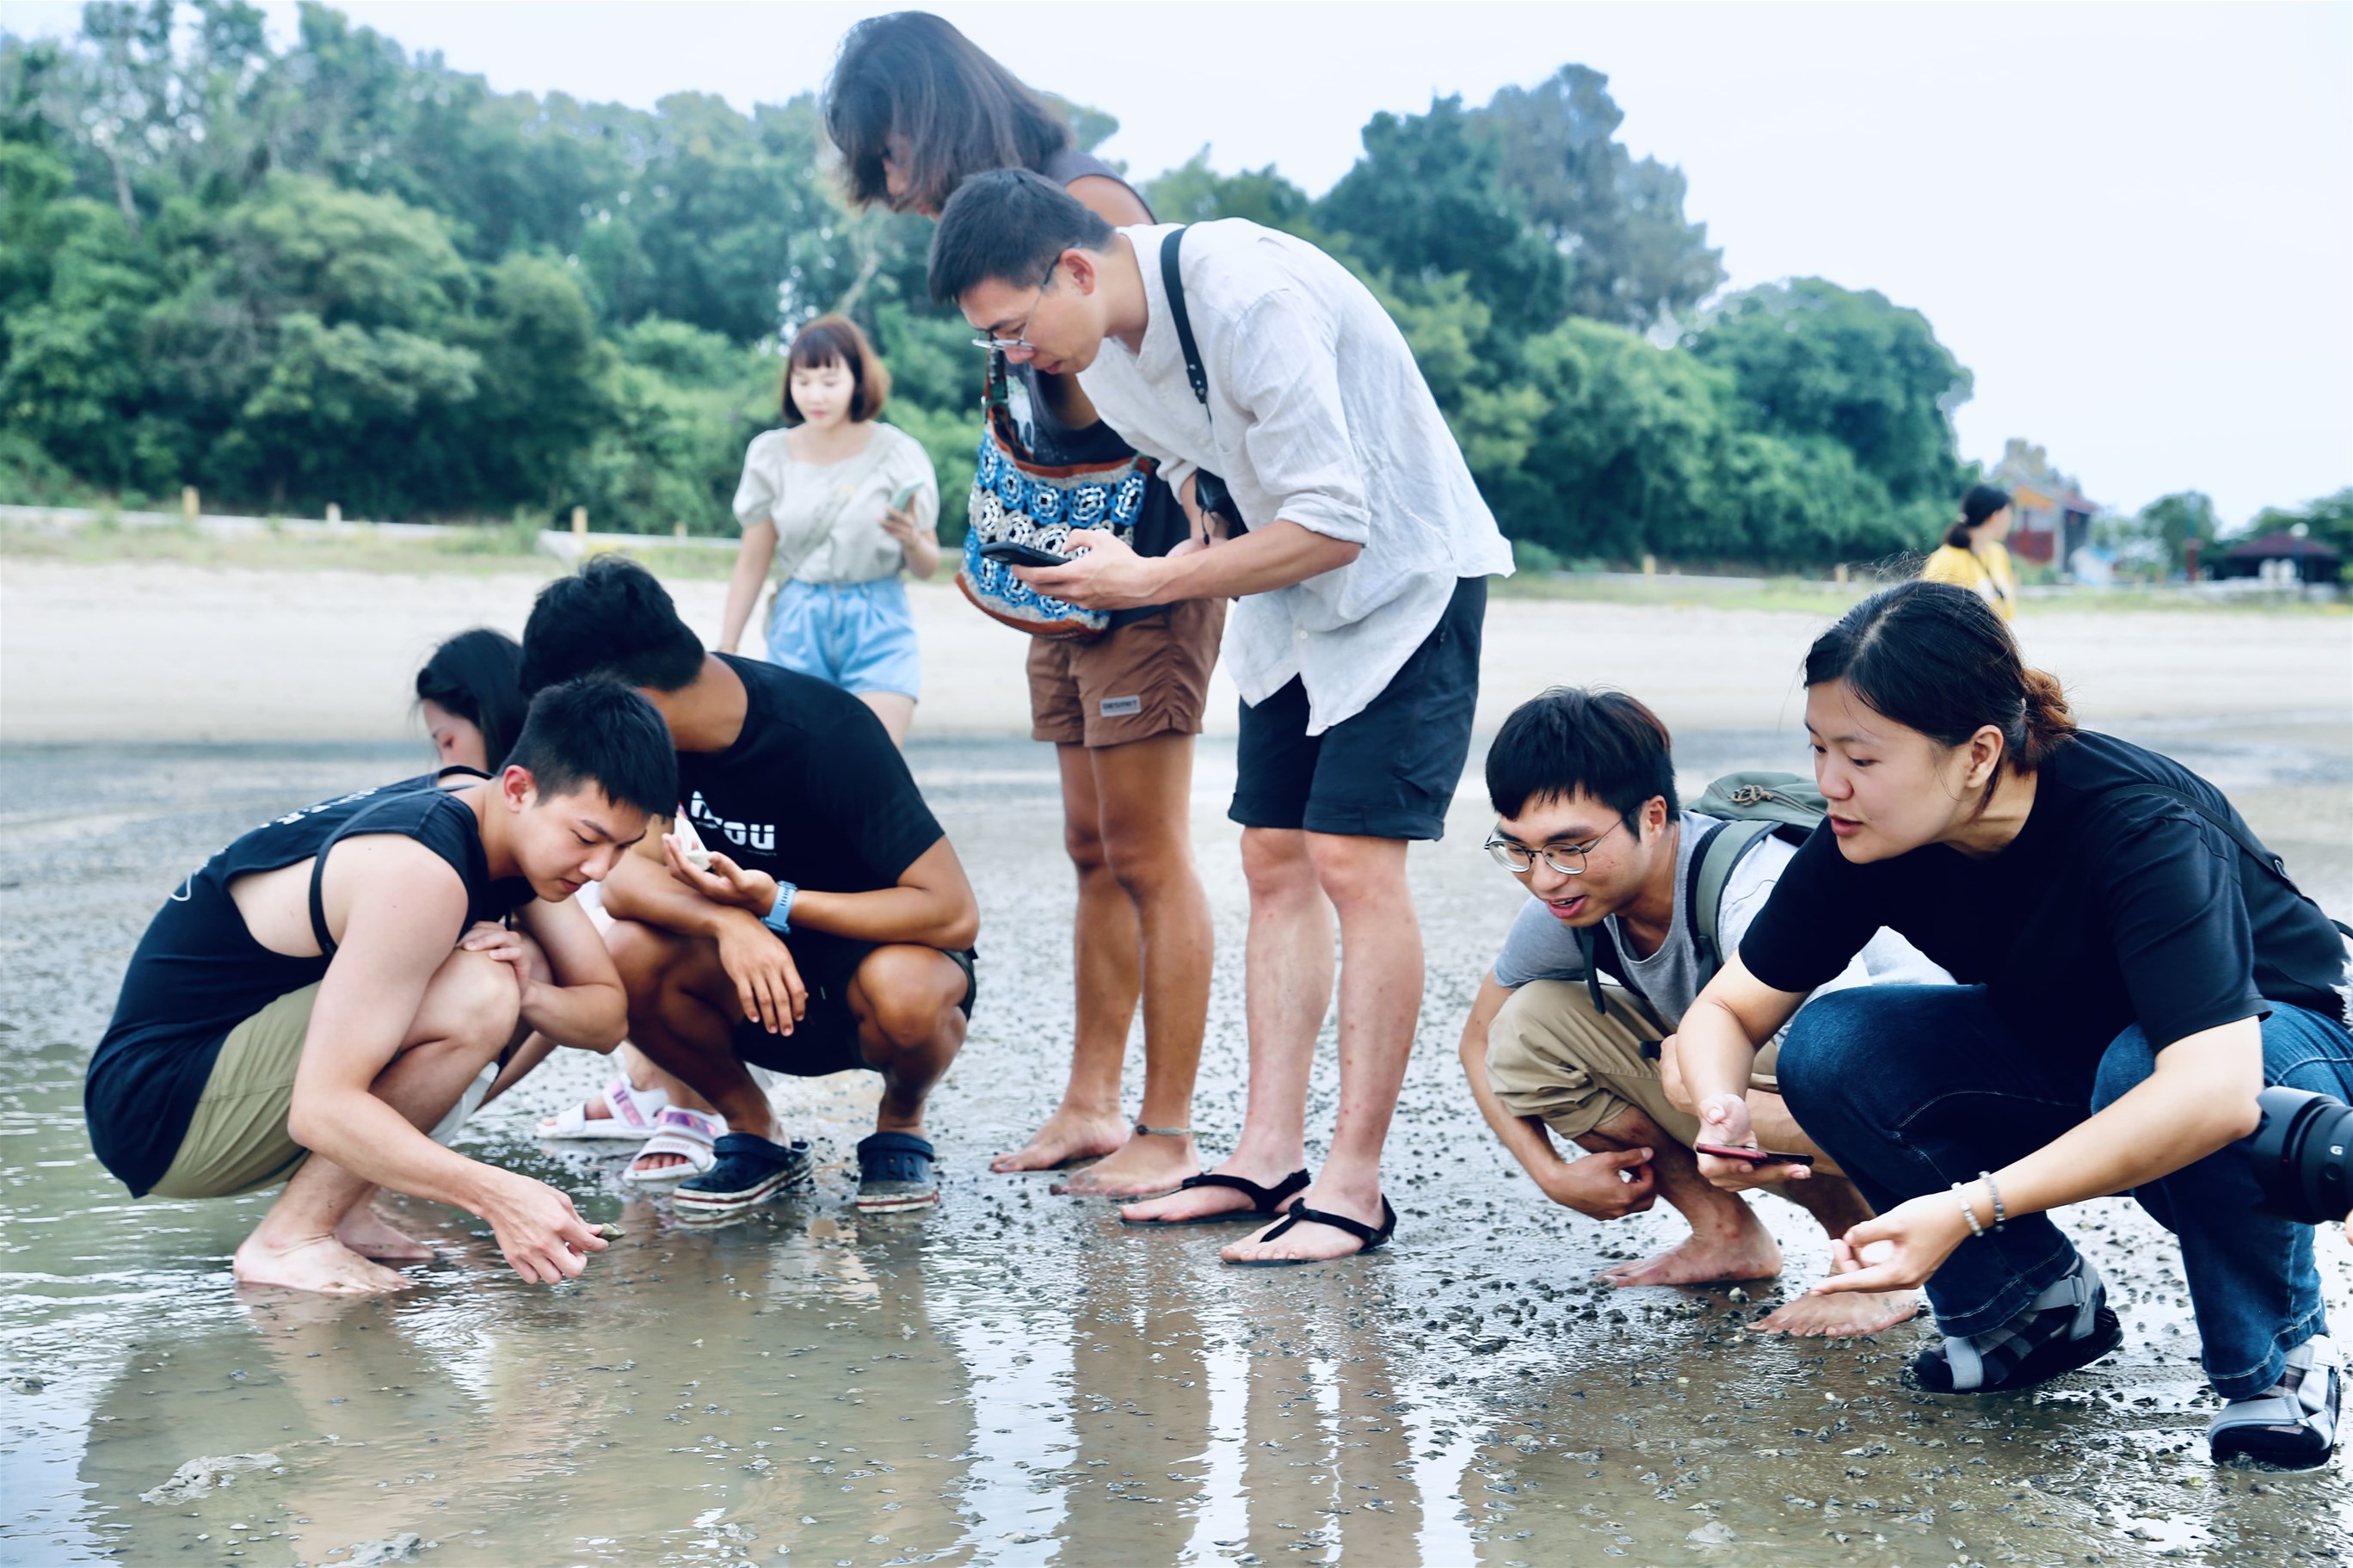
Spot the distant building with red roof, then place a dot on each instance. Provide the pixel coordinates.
(2281, 557)
(2051, 516)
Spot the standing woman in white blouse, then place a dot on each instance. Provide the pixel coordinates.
(840, 503)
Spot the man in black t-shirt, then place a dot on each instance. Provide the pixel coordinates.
(830, 926)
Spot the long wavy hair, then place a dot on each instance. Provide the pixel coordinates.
(961, 113)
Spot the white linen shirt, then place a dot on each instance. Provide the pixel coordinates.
(1317, 416)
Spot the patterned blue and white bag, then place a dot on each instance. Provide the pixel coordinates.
(1020, 500)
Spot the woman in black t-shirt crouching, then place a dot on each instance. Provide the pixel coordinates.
(2130, 979)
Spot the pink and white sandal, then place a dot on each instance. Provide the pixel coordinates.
(632, 1119)
(689, 1134)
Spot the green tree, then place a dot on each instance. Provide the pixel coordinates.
(1426, 202)
(1195, 193)
(1808, 358)
(1635, 258)
(2173, 522)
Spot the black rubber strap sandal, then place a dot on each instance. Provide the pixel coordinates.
(1300, 1214)
(2068, 1326)
(2293, 1424)
(1264, 1201)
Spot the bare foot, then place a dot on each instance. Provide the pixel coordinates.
(1068, 1135)
(1842, 1316)
(1752, 1256)
(1151, 1162)
(1307, 1242)
(320, 1264)
(367, 1232)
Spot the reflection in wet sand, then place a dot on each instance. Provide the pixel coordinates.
(1017, 1379)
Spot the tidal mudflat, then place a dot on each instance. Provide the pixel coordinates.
(1015, 1379)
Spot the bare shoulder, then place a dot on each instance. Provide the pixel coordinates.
(373, 867)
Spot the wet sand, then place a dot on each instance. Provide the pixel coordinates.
(1015, 1379)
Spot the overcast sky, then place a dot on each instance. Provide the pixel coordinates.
(2134, 224)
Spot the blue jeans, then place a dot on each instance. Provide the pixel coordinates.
(1913, 1087)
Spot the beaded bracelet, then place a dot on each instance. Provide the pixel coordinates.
(1968, 1211)
(2000, 1219)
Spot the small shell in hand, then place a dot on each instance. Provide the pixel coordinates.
(691, 847)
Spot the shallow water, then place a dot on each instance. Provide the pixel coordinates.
(1015, 1379)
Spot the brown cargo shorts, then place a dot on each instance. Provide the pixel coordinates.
(1148, 677)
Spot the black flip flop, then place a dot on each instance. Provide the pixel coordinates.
(1264, 1201)
(1301, 1215)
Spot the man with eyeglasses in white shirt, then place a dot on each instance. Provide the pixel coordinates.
(1356, 549)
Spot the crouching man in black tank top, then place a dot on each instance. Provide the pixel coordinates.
(832, 926)
(326, 988)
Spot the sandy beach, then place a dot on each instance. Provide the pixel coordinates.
(164, 652)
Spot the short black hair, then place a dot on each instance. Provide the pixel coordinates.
(1575, 738)
(1009, 224)
(611, 617)
(477, 675)
(597, 731)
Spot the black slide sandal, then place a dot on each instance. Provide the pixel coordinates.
(1264, 1201)
(1301, 1215)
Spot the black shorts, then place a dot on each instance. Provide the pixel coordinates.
(825, 1038)
(1386, 772)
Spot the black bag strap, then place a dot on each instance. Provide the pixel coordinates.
(2254, 847)
(319, 900)
(1173, 281)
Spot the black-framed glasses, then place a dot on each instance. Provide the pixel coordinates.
(1569, 859)
(1022, 342)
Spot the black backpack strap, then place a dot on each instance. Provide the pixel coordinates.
(319, 900)
(1174, 282)
(2254, 847)
(1585, 950)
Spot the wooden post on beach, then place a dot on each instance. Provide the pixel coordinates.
(189, 507)
(579, 522)
(678, 528)
(335, 512)
(1839, 575)
(1649, 564)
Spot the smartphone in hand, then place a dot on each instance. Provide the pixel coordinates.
(1751, 1156)
(907, 494)
(1013, 554)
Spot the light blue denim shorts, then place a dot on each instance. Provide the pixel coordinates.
(859, 636)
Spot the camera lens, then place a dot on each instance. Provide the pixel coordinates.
(2302, 1154)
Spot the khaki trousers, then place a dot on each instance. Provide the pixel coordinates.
(1552, 1056)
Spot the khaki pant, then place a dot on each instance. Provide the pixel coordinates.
(236, 1142)
(1551, 1055)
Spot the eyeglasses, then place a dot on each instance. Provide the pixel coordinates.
(1569, 859)
(1008, 345)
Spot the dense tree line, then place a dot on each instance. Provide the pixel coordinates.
(340, 272)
